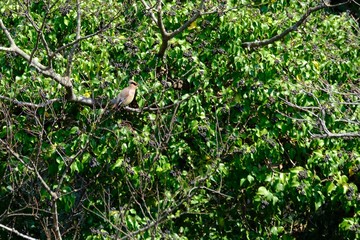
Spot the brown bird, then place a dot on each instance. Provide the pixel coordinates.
(126, 96)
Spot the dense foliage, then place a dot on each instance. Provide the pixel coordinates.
(226, 139)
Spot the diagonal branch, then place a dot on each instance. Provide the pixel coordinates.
(8, 36)
(46, 71)
(33, 168)
(284, 33)
(290, 29)
(16, 232)
(190, 21)
(336, 135)
(160, 22)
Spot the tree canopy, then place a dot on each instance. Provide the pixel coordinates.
(245, 124)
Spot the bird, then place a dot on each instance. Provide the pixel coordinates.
(126, 96)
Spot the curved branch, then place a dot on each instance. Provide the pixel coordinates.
(33, 169)
(187, 24)
(284, 33)
(292, 28)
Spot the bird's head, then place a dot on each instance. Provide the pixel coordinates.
(132, 83)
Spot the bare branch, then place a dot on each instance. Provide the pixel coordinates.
(166, 36)
(56, 221)
(33, 168)
(33, 62)
(98, 213)
(78, 36)
(76, 41)
(79, 40)
(320, 117)
(336, 135)
(327, 3)
(284, 33)
(150, 9)
(215, 191)
(8, 36)
(39, 31)
(149, 108)
(30, 104)
(17, 232)
(190, 21)
(48, 71)
(16, 155)
(290, 29)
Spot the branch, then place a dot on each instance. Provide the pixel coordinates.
(320, 119)
(166, 36)
(78, 36)
(153, 17)
(17, 232)
(327, 3)
(38, 30)
(190, 21)
(336, 135)
(33, 168)
(103, 217)
(29, 104)
(284, 33)
(15, 154)
(290, 29)
(48, 72)
(166, 215)
(56, 221)
(7, 34)
(53, 194)
(87, 36)
(149, 108)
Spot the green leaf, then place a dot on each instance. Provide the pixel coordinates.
(117, 164)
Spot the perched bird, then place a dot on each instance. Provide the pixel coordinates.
(126, 96)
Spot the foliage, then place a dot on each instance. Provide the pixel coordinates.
(223, 141)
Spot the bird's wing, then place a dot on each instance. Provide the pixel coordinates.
(124, 94)
(121, 97)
